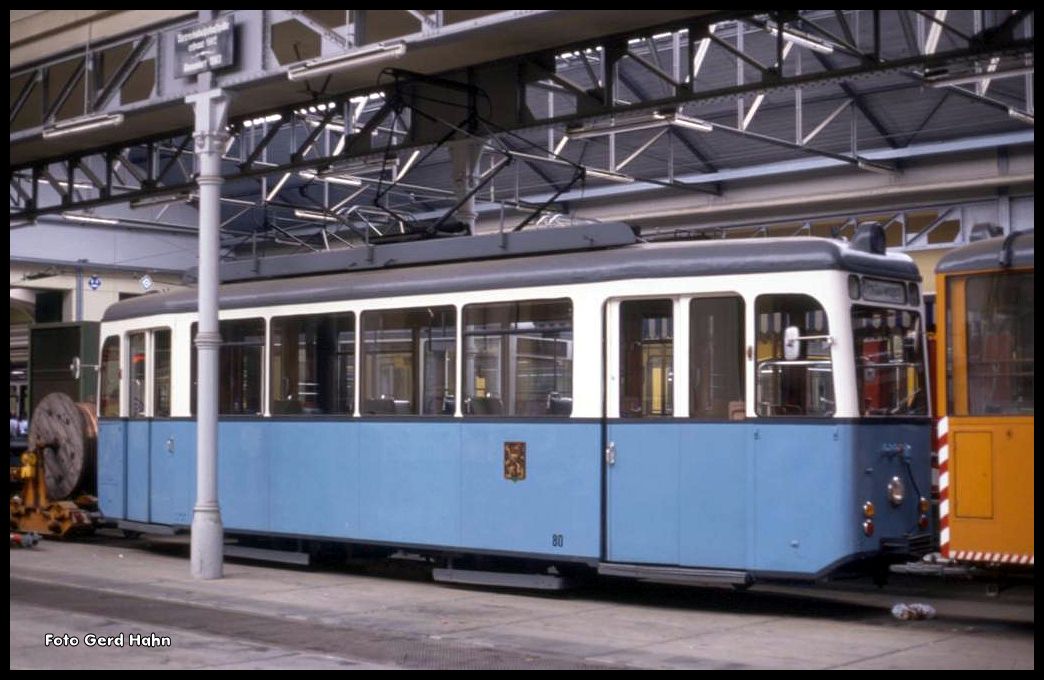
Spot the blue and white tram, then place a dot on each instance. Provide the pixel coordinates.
(733, 409)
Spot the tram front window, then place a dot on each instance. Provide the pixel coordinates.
(889, 358)
(803, 386)
(990, 369)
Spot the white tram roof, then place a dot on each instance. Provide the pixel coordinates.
(638, 261)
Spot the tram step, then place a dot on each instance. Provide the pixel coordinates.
(268, 555)
(644, 572)
(146, 528)
(501, 579)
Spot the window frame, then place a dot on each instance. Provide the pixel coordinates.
(741, 336)
(150, 380)
(510, 406)
(417, 367)
(958, 397)
(118, 337)
(332, 317)
(858, 385)
(831, 343)
(193, 373)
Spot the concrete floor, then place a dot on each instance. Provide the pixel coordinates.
(389, 615)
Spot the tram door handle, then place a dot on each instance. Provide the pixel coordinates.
(610, 453)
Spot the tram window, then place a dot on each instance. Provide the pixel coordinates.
(239, 367)
(109, 405)
(716, 365)
(161, 386)
(518, 358)
(792, 387)
(646, 358)
(997, 363)
(409, 361)
(312, 364)
(889, 358)
(138, 367)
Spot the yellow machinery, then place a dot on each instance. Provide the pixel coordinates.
(984, 402)
(56, 469)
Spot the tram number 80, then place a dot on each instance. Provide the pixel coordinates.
(557, 540)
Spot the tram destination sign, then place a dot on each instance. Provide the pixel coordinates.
(877, 290)
(205, 47)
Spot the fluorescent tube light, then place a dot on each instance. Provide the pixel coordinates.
(344, 180)
(602, 129)
(161, 199)
(91, 219)
(874, 167)
(81, 124)
(798, 38)
(656, 120)
(1020, 115)
(609, 175)
(370, 54)
(942, 78)
(312, 215)
(684, 121)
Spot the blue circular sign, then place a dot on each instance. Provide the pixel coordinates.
(94, 282)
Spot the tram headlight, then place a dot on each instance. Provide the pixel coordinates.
(896, 491)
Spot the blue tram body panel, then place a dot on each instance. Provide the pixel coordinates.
(716, 505)
(172, 487)
(553, 510)
(770, 498)
(112, 468)
(244, 469)
(764, 497)
(411, 482)
(439, 483)
(886, 451)
(803, 502)
(644, 488)
(138, 445)
(314, 481)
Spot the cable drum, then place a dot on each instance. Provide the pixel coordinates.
(65, 433)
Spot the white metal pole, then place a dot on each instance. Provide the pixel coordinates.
(207, 530)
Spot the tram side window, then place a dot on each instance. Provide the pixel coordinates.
(792, 387)
(889, 361)
(138, 367)
(646, 358)
(312, 364)
(999, 337)
(716, 361)
(109, 405)
(518, 358)
(409, 361)
(239, 366)
(161, 386)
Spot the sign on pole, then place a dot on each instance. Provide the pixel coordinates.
(205, 47)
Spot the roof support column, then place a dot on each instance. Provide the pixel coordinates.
(210, 135)
(465, 154)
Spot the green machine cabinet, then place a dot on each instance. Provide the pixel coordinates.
(54, 349)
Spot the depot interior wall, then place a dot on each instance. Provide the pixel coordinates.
(37, 278)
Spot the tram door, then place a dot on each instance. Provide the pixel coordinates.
(642, 445)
